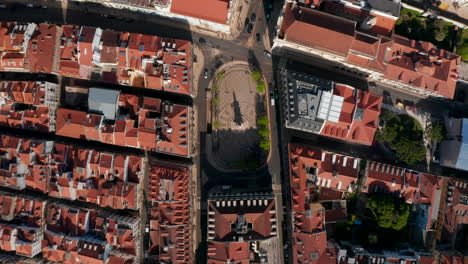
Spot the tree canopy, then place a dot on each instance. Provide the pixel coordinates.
(388, 211)
(436, 131)
(405, 137)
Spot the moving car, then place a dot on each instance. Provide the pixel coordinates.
(205, 74)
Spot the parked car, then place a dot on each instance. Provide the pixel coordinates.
(249, 28)
(267, 53)
(253, 18)
(205, 74)
(257, 38)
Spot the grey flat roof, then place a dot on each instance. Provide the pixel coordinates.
(103, 101)
(387, 6)
(304, 92)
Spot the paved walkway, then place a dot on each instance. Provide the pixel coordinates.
(459, 7)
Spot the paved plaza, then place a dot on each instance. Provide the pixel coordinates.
(237, 117)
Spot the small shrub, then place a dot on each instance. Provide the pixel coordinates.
(265, 145)
(261, 87)
(262, 121)
(216, 124)
(257, 76)
(220, 76)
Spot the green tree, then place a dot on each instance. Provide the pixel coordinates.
(216, 101)
(436, 131)
(388, 134)
(439, 35)
(388, 211)
(388, 115)
(440, 29)
(405, 136)
(462, 44)
(409, 150)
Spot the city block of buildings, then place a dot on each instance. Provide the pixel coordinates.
(29, 105)
(170, 215)
(242, 228)
(126, 120)
(319, 181)
(93, 53)
(330, 109)
(360, 37)
(216, 16)
(77, 235)
(72, 173)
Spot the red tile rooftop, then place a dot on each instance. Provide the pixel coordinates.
(453, 259)
(313, 249)
(423, 65)
(214, 10)
(84, 52)
(22, 235)
(114, 235)
(169, 214)
(414, 63)
(313, 28)
(41, 48)
(68, 172)
(456, 206)
(251, 218)
(383, 178)
(319, 168)
(71, 123)
(222, 252)
(168, 183)
(358, 118)
(367, 20)
(37, 96)
(365, 45)
(162, 126)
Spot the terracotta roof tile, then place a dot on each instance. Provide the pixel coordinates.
(313, 28)
(215, 10)
(422, 65)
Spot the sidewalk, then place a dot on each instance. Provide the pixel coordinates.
(197, 68)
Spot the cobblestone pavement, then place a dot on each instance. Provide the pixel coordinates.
(237, 116)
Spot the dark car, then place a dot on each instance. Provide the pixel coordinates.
(253, 18)
(250, 28)
(257, 38)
